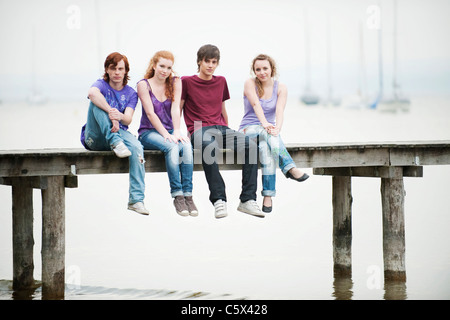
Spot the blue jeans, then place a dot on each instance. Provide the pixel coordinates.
(98, 137)
(272, 154)
(179, 161)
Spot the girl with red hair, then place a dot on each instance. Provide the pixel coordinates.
(160, 93)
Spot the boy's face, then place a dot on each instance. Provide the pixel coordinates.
(208, 66)
(117, 73)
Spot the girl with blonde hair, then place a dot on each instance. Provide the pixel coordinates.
(264, 104)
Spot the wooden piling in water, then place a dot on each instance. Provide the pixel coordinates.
(342, 226)
(392, 196)
(53, 238)
(23, 241)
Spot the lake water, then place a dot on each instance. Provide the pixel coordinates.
(113, 253)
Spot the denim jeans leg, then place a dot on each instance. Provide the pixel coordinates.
(98, 135)
(279, 150)
(206, 139)
(248, 149)
(186, 167)
(268, 164)
(153, 140)
(268, 169)
(137, 167)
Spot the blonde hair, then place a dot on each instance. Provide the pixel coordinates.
(258, 83)
(151, 71)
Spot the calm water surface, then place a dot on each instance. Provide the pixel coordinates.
(112, 253)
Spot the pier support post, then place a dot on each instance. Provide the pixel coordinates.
(53, 238)
(342, 225)
(392, 196)
(23, 242)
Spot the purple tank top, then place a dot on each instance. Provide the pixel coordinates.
(269, 107)
(162, 110)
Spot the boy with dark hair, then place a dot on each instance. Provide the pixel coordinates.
(203, 99)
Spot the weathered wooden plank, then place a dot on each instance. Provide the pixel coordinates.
(420, 156)
(375, 172)
(38, 182)
(61, 161)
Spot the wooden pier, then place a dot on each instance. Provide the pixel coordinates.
(53, 170)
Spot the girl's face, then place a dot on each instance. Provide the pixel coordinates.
(262, 70)
(163, 68)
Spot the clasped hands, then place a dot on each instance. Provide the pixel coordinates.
(115, 116)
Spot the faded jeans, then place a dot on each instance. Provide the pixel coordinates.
(98, 137)
(179, 161)
(272, 154)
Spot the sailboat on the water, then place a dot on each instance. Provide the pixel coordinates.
(397, 101)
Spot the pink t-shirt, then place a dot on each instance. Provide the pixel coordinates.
(203, 100)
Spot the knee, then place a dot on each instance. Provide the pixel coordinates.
(135, 147)
(186, 152)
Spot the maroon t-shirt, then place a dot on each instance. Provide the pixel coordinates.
(203, 100)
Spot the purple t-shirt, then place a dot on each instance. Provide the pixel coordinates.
(269, 107)
(162, 110)
(120, 100)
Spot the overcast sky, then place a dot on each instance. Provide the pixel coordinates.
(72, 39)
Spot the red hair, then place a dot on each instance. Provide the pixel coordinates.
(112, 60)
(151, 71)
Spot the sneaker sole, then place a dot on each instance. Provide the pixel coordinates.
(183, 213)
(193, 214)
(255, 214)
(122, 155)
(143, 213)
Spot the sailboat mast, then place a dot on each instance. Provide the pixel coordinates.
(394, 80)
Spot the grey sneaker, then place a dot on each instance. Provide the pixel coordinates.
(121, 150)
(138, 207)
(180, 206)
(251, 207)
(191, 206)
(220, 208)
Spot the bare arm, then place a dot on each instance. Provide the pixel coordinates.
(250, 93)
(99, 100)
(176, 111)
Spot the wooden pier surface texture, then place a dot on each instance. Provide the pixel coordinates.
(53, 170)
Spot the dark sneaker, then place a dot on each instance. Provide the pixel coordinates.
(180, 206)
(191, 206)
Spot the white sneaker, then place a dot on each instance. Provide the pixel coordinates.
(251, 207)
(121, 150)
(138, 207)
(220, 208)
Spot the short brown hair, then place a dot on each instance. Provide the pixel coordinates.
(112, 60)
(208, 51)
